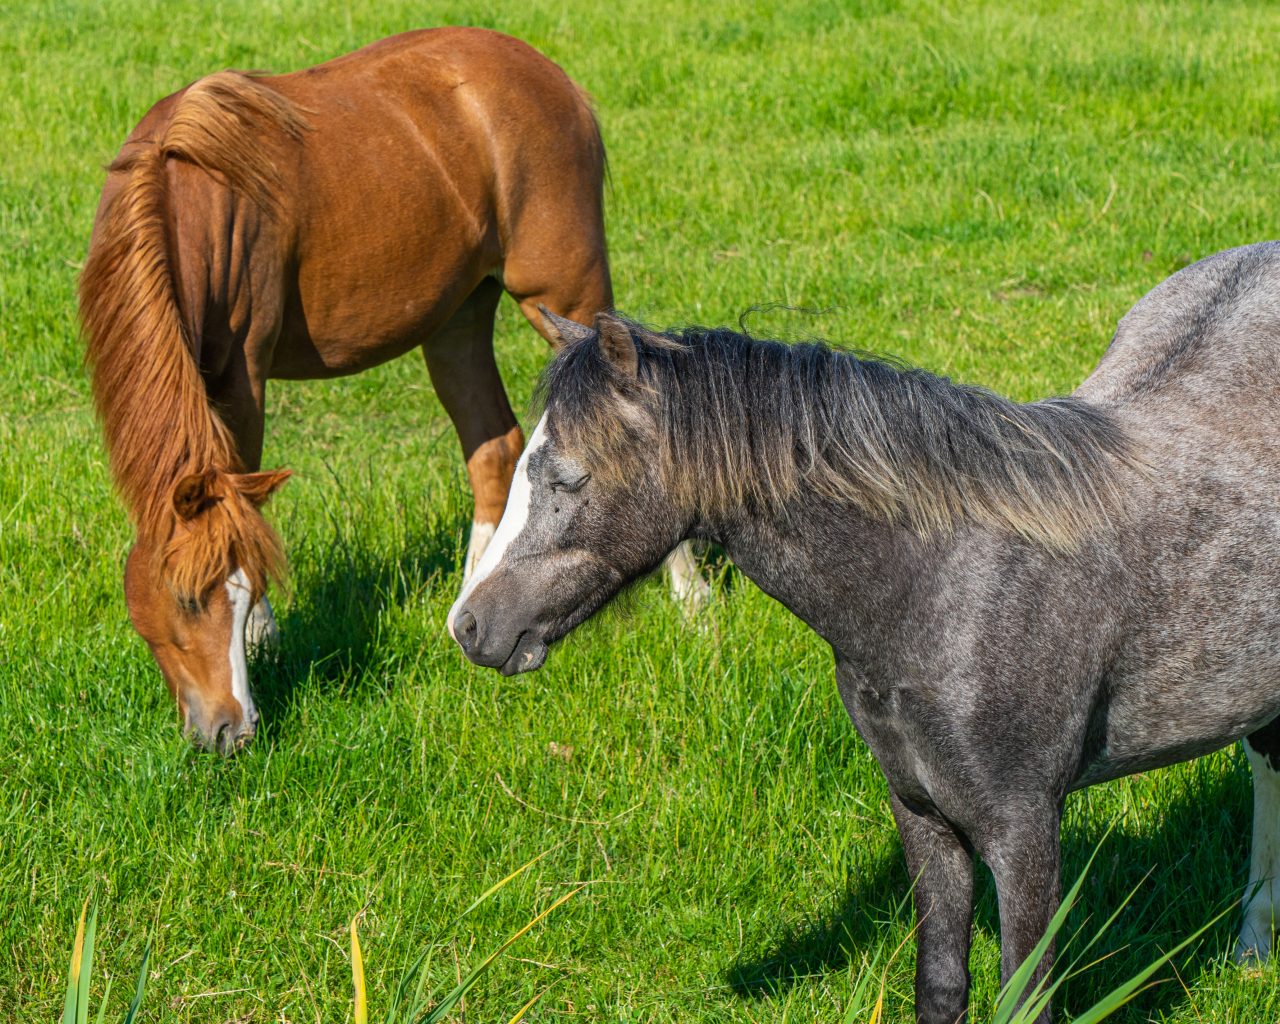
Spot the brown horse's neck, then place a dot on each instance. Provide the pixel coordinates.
(147, 387)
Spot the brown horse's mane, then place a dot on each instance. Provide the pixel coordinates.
(150, 397)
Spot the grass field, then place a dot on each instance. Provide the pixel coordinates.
(977, 189)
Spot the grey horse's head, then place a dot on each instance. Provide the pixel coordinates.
(582, 520)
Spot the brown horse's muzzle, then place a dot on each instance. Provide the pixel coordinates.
(222, 730)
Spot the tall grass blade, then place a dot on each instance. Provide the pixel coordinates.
(419, 994)
(499, 885)
(1120, 995)
(527, 1007)
(1013, 994)
(136, 1004)
(357, 976)
(878, 1009)
(464, 986)
(860, 999)
(1033, 1007)
(410, 1011)
(86, 968)
(1031, 1004)
(102, 1003)
(73, 975)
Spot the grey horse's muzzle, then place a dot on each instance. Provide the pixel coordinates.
(489, 641)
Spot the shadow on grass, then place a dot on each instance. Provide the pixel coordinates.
(342, 585)
(1197, 859)
(830, 939)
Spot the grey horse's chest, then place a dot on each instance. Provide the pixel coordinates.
(903, 725)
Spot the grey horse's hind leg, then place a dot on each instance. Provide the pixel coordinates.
(1262, 896)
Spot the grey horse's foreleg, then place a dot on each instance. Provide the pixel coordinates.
(1025, 859)
(1262, 894)
(941, 867)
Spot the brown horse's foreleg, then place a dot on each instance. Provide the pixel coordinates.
(240, 398)
(566, 271)
(465, 376)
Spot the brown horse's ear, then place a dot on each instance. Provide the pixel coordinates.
(616, 344)
(563, 331)
(195, 493)
(258, 487)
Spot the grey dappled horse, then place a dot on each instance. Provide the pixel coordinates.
(1022, 599)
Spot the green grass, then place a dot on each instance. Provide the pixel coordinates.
(977, 189)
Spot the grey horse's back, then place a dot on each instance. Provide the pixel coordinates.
(1209, 335)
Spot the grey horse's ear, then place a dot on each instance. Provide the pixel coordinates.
(617, 345)
(561, 330)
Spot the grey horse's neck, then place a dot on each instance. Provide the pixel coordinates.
(847, 575)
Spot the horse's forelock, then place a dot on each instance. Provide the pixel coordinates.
(606, 419)
(231, 534)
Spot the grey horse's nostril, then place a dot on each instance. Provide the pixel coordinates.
(464, 628)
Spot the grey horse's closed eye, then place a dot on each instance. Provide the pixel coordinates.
(571, 485)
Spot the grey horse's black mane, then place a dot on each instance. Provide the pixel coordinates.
(743, 421)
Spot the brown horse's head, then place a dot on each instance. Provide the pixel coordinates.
(192, 594)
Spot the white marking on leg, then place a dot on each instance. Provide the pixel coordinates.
(513, 520)
(481, 535)
(261, 632)
(240, 595)
(1262, 896)
(688, 585)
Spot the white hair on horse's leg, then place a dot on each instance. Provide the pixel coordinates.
(688, 585)
(240, 594)
(481, 535)
(1262, 895)
(261, 632)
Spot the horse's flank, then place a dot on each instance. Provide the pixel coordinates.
(147, 387)
(748, 422)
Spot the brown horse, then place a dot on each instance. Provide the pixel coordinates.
(309, 225)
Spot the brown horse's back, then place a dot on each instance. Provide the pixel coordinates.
(431, 160)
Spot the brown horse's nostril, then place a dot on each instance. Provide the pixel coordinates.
(224, 737)
(465, 629)
(222, 741)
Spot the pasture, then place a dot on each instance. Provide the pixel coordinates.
(979, 190)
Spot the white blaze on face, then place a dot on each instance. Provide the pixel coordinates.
(1262, 894)
(514, 517)
(241, 597)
